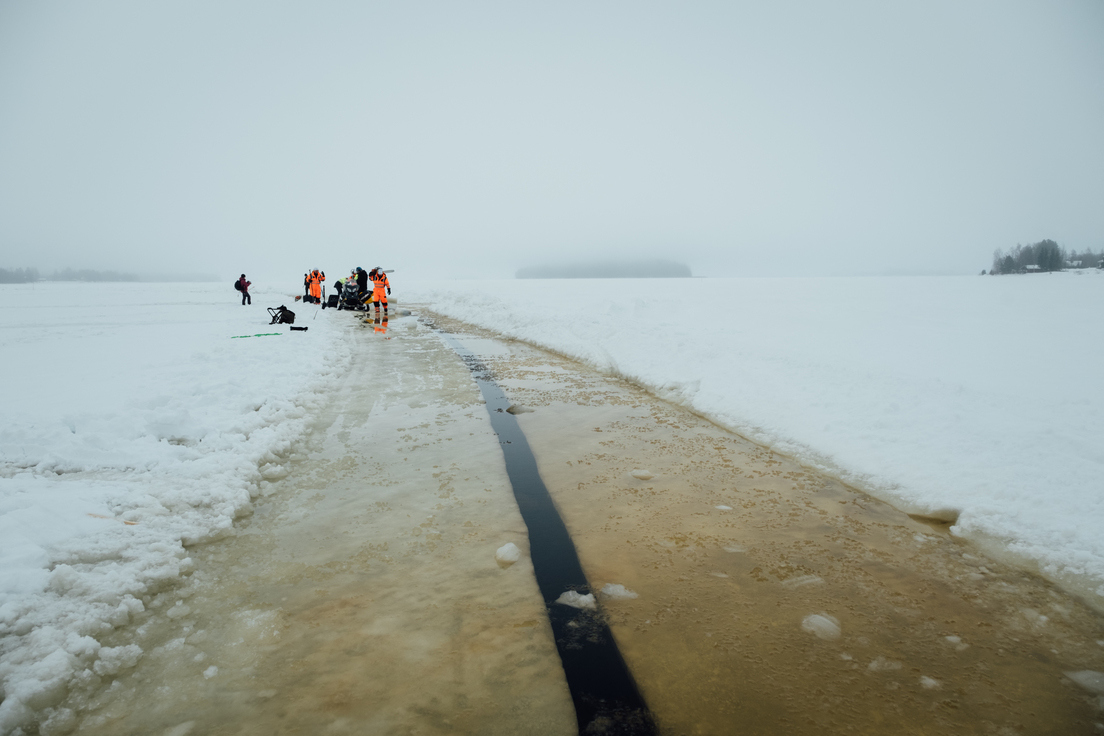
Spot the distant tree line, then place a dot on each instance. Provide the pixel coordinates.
(1046, 255)
(18, 275)
(30, 275)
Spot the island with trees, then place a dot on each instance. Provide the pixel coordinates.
(1044, 256)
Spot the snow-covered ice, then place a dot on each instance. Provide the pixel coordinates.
(133, 424)
(970, 399)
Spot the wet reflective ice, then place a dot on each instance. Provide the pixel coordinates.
(774, 600)
(748, 594)
(364, 595)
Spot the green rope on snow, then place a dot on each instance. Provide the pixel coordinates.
(259, 334)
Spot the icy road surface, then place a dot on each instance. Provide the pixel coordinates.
(364, 594)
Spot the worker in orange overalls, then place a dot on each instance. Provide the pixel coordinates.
(379, 286)
(316, 279)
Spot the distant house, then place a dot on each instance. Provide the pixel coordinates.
(1075, 264)
(1032, 268)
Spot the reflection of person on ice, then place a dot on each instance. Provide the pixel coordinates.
(381, 288)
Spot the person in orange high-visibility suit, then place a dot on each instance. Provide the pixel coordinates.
(381, 288)
(316, 279)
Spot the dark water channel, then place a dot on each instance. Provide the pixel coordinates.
(603, 690)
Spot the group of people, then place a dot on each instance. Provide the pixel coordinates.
(312, 287)
(377, 277)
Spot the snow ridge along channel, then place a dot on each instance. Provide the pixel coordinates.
(134, 424)
(967, 399)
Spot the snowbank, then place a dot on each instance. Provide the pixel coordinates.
(971, 396)
(135, 421)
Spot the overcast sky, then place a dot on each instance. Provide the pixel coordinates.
(468, 138)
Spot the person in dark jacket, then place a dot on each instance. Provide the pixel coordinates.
(362, 281)
(244, 289)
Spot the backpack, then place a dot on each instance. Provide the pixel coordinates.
(281, 315)
(237, 285)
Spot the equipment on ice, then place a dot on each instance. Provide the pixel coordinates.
(281, 315)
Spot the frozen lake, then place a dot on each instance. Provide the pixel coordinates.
(354, 586)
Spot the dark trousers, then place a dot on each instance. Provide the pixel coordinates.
(246, 298)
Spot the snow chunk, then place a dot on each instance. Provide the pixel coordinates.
(114, 660)
(577, 600)
(1089, 679)
(722, 507)
(822, 625)
(210, 672)
(881, 664)
(617, 592)
(641, 474)
(507, 555)
(929, 683)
